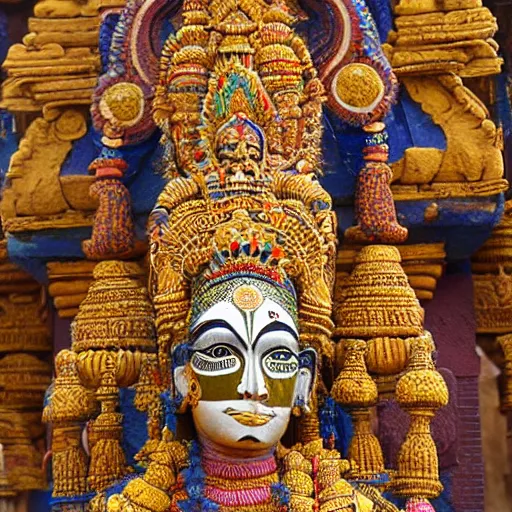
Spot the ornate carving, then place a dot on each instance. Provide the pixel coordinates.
(506, 345)
(473, 150)
(444, 38)
(422, 263)
(24, 377)
(48, 76)
(493, 302)
(32, 193)
(113, 324)
(376, 299)
(378, 305)
(492, 267)
(437, 43)
(54, 71)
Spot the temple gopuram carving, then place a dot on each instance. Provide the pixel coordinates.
(250, 252)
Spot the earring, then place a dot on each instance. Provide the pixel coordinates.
(299, 407)
(194, 389)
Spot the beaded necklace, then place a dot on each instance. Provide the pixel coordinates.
(233, 484)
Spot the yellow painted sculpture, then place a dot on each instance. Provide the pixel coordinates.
(435, 45)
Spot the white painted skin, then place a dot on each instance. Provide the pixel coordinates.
(253, 342)
(213, 424)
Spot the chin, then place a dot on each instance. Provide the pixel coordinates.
(212, 421)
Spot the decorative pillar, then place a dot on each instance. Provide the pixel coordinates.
(25, 374)
(492, 279)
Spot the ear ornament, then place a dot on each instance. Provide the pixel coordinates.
(194, 391)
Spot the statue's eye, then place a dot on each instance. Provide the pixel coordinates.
(219, 351)
(280, 364)
(216, 360)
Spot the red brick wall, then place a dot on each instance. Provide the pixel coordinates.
(468, 478)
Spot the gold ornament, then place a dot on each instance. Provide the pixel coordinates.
(69, 403)
(247, 298)
(358, 86)
(377, 300)
(114, 323)
(122, 104)
(421, 391)
(355, 389)
(116, 313)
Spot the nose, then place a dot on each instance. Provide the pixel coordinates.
(253, 385)
(241, 150)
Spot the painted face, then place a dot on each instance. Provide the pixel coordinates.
(245, 354)
(239, 149)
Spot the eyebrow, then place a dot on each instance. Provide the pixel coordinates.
(275, 326)
(212, 324)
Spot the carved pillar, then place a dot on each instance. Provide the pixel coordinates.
(506, 344)
(24, 376)
(492, 277)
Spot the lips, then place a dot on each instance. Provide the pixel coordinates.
(249, 419)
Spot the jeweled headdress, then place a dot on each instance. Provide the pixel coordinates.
(238, 94)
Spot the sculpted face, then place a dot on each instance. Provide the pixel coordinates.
(245, 355)
(240, 148)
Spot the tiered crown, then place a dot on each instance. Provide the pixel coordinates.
(240, 106)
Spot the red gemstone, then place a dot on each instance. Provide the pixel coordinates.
(277, 252)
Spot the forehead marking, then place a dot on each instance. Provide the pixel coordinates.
(247, 297)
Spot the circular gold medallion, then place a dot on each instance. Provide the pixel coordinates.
(358, 87)
(123, 103)
(247, 298)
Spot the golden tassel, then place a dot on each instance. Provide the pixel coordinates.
(108, 462)
(356, 390)
(420, 391)
(69, 461)
(365, 448)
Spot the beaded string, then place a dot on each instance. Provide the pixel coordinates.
(214, 483)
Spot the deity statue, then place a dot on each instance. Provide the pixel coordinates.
(234, 368)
